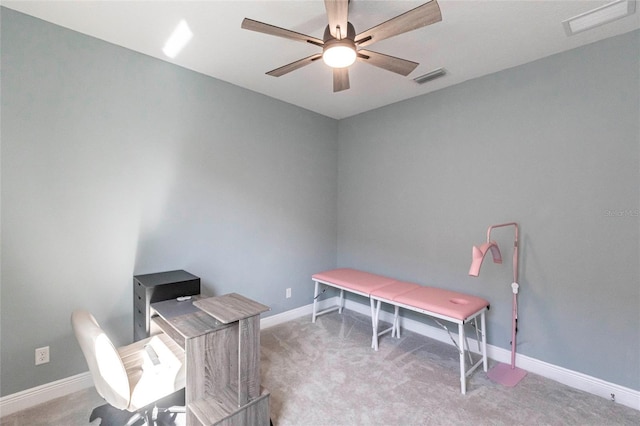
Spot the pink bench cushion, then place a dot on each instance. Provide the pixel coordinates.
(444, 302)
(363, 282)
(396, 288)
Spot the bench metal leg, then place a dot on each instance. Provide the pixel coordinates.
(375, 319)
(316, 313)
(375, 311)
(315, 302)
(463, 370)
(396, 321)
(484, 342)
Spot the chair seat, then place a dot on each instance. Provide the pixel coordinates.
(127, 377)
(150, 382)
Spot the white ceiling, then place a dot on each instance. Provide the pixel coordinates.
(475, 38)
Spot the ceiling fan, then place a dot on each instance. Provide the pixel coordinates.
(341, 46)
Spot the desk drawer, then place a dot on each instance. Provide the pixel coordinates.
(174, 290)
(139, 311)
(157, 287)
(139, 299)
(140, 331)
(138, 288)
(140, 324)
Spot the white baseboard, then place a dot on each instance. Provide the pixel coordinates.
(293, 314)
(40, 394)
(574, 379)
(629, 397)
(30, 397)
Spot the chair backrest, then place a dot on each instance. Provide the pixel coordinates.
(106, 367)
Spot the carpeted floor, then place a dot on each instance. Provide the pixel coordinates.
(327, 374)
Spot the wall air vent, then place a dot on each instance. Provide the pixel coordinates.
(430, 76)
(599, 16)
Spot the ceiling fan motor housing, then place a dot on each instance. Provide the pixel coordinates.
(351, 33)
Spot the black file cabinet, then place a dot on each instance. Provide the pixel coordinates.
(151, 288)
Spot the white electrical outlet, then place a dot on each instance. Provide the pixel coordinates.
(288, 292)
(42, 355)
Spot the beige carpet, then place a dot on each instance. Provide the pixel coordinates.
(326, 374)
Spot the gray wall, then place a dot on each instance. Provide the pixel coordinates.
(115, 164)
(553, 145)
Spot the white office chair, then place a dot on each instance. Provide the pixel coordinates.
(133, 377)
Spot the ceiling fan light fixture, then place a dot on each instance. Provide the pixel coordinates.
(339, 53)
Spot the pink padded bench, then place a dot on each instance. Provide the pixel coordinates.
(351, 280)
(438, 303)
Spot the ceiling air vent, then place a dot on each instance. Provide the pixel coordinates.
(430, 76)
(599, 16)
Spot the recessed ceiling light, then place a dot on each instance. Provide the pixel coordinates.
(178, 39)
(599, 16)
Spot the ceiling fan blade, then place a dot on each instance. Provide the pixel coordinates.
(337, 13)
(421, 16)
(340, 79)
(389, 63)
(261, 27)
(294, 65)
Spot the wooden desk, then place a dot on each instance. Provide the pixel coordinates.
(221, 339)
